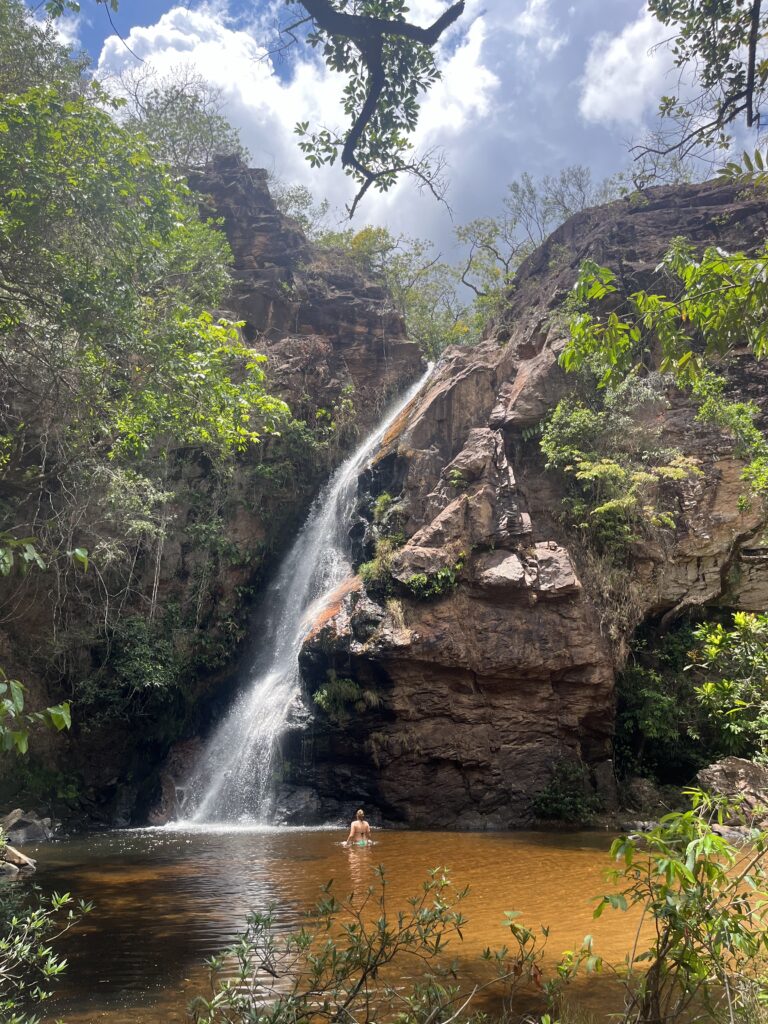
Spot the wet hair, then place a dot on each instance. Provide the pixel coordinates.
(360, 813)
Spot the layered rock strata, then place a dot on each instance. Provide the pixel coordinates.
(469, 698)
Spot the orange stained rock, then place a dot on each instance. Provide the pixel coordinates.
(333, 606)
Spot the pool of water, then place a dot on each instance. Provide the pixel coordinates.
(167, 899)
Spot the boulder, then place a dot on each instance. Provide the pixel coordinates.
(500, 570)
(26, 827)
(9, 820)
(740, 781)
(10, 855)
(297, 805)
(641, 794)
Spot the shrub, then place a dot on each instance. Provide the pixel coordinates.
(736, 702)
(339, 694)
(661, 730)
(28, 964)
(428, 586)
(356, 960)
(709, 942)
(613, 464)
(377, 573)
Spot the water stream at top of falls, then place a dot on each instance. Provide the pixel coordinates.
(231, 781)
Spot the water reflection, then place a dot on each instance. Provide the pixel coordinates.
(165, 900)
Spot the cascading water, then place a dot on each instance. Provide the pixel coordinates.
(231, 782)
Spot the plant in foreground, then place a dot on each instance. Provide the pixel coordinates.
(28, 964)
(355, 962)
(698, 953)
(702, 935)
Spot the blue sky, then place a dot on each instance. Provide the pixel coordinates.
(529, 85)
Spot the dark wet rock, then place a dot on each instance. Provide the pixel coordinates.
(296, 805)
(640, 794)
(606, 787)
(22, 827)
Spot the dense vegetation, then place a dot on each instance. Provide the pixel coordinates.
(118, 382)
(126, 401)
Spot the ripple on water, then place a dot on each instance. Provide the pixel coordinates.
(165, 899)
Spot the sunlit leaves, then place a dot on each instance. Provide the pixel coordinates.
(704, 896)
(736, 694)
(16, 722)
(717, 304)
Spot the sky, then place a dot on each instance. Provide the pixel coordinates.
(528, 85)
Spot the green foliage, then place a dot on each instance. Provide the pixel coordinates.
(568, 795)
(719, 297)
(180, 117)
(340, 695)
(124, 401)
(617, 471)
(719, 48)
(429, 586)
(16, 723)
(377, 573)
(385, 73)
(661, 729)
(18, 553)
(705, 897)
(381, 507)
(138, 679)
(736, 700)
(738, 420)
(28, 964)
(105, 265)
(30, 53)
(358, 960)
(456, 479)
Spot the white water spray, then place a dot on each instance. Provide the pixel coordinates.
(231, 782)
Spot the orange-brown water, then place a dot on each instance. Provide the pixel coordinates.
(164, 901)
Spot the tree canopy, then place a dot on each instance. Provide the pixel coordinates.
(720, 49)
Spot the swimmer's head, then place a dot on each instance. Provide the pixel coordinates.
(360, 814)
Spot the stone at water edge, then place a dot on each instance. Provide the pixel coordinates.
(8, 870)
(741, 781)
(26, 827)
(9, 820)
(10, 855)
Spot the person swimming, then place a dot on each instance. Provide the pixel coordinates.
(359, 831)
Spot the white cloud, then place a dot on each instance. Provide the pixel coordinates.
(625, 74)
(537, 25)
(66, 28)
(265, 101)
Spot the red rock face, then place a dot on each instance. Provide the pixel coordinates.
(483, 687)
(323, 324)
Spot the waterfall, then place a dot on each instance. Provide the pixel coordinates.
(231, 782)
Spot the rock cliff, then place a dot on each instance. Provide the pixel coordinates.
(470, 697)
(337, 352)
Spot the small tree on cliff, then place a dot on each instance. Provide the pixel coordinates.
(180, 115)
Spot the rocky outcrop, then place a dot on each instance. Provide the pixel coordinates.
(329, 330)
(509, 666)
(743, 783)
(336, 352)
